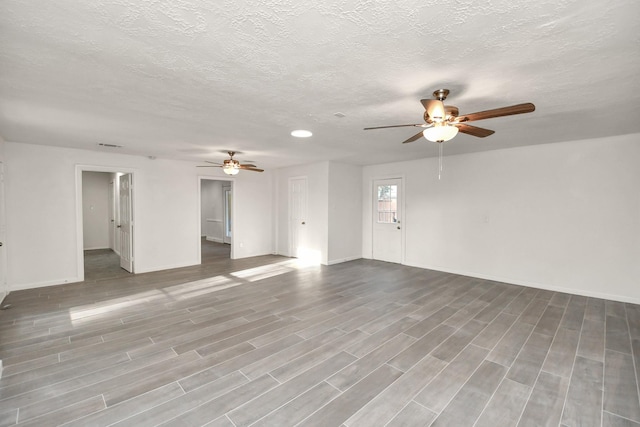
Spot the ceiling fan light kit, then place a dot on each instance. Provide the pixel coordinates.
(440, 132)
(231, 168)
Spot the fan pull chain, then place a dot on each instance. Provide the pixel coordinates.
(440, 161)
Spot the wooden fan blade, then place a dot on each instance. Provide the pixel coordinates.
(473, 130)
(396, 126)
(212, 166)
(415, 137)
(248, 165)
(498, 112)
(251, 169)
(434, 108)
(213, 163)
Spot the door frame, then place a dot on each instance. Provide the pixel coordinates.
(373, 210)
(226, 180)
(80, 219)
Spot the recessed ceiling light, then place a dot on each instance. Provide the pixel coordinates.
(301, 133)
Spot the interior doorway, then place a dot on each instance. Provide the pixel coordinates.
(216, 219)
(105, 213)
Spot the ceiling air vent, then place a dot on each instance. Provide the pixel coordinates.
(109, 145)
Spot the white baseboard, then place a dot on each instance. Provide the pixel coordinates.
(530, 284)
(97, 247)
(165, 267)
(22, 286)
(214, 239)
(341, 260)
(3, 295)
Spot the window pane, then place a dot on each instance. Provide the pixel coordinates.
(387, 203)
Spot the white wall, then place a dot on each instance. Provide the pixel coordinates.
(95, 209)
(212, 210)
(252, 211)
(344, 216)
(317, 207)
(4, 288)
(41, 212)
(334, 223)
(562, 216)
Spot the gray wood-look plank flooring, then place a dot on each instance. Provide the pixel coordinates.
(267, 342)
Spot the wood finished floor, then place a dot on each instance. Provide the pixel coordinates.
(266, 342)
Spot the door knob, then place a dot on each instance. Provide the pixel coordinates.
(303, 223)
(118, 226)
(398, 227)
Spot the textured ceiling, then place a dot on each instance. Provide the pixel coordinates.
(186, 79)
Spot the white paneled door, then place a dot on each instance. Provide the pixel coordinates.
(297, 217)
(126, 222)
(387, 220)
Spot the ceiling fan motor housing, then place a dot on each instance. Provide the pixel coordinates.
(441, 94)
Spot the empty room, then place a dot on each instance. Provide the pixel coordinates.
(367, 213)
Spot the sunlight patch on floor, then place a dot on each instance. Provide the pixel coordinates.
(184, 291)
(263, 272)
(307, 257)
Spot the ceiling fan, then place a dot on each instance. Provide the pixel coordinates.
(231, 166)
(443, 122)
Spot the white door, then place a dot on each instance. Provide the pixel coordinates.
(4, 288)
(126, 222)
(297, 217)
(112, 215)
(387, 220)
(227, 194)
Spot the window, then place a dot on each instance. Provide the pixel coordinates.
(387, 203)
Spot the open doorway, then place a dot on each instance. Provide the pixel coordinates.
(216, 219)
(105, 223)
